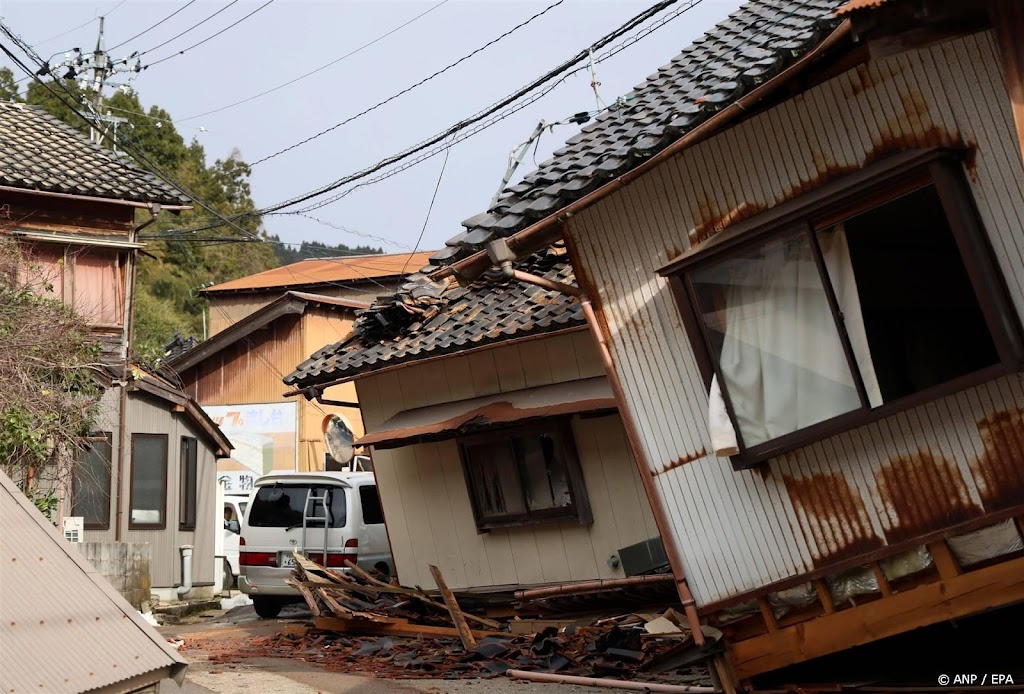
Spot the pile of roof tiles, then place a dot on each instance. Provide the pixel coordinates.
(620, 651)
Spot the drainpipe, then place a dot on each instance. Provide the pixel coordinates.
(186, 570)
(500, 254)
(129, 326)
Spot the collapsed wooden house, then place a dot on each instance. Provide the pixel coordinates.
(800, 244)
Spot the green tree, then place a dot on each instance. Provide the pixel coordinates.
(8, 87)
(48, 396)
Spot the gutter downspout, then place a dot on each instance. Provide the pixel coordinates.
(129, 328)
(522, 240)
(497, 250)
(186, 570)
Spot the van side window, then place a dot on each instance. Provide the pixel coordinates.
(372, 512)
(281, 506)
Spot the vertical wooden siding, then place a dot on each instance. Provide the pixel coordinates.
(929, 467)
(424, 493)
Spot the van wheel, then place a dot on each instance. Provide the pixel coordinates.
(383, 569)
(268, 608)
(229, 581)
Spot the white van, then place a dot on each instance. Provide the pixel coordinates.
(318, 513)
(234, 511)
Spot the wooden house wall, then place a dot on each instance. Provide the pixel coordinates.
(928, 468)
(423, 488)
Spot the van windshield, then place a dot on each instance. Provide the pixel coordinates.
(281, 506)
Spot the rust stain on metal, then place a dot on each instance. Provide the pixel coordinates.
(923, 492)
(679, 462)
(715, 224)
(999, 472)
(833, 518)
(971, 161)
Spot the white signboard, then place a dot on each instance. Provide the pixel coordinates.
(264, 439)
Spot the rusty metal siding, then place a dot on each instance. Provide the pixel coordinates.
(927, 468)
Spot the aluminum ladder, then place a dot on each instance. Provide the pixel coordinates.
(322, 500)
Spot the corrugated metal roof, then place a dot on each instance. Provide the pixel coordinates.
(751, 46)
(449, 419)
(62, 626)
(855, 5)
(426, 321)
(41, 152)
(316, 271)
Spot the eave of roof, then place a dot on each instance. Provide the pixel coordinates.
(319, 272)
(156, 386)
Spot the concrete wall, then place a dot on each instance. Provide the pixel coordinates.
(124, 564)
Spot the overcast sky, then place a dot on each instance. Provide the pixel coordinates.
(291, 37)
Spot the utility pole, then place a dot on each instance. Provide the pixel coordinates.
(100, 68)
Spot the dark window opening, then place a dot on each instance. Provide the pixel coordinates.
(285, 505)
(373, 514)
(188, 491)
(517, 478)
(90, 493)
(924, 324)
(148, 499)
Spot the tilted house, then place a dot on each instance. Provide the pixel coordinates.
(498, 452)
(803, 239)
(147, 471)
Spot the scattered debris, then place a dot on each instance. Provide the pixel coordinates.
(366, 625)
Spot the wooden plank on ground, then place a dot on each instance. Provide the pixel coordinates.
(362, 626)
(931, 603)
(453, 609)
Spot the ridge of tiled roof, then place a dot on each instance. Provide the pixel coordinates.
(427, 319)
(39, 152)
(750, 47)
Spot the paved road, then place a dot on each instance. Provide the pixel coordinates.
(292, 676)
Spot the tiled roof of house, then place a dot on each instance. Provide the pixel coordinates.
(424, 320)
(317, 271)
(750, 47)
(41, 152)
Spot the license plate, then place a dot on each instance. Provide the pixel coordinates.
(287, 561)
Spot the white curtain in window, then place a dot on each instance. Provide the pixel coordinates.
(835, 250)
(782, 360)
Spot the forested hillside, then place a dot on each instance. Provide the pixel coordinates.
(171, 271)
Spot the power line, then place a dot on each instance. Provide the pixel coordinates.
(430, 208)
(194, 26)
(65, 33)
(476, 119)
(211, 37)
(154, 26)
(322, 67)
(411, 87)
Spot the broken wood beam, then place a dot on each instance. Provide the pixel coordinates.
(767, 615)
(362, 626)
(307, 595)
(419, 595)
(453, 609)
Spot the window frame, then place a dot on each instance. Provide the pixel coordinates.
(866, 189)
(579, 512)
(162, 525)
(185, 491)
(100, 437)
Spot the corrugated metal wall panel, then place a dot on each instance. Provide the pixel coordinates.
(862, 489)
